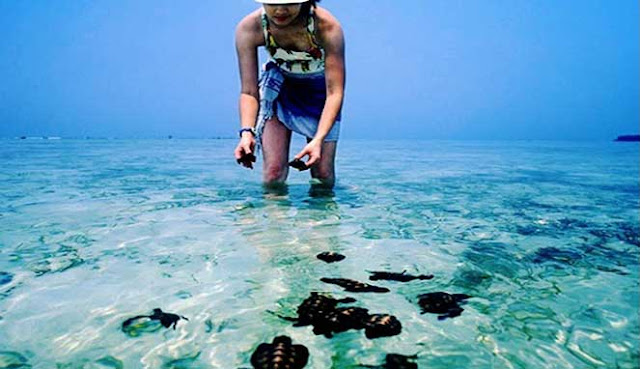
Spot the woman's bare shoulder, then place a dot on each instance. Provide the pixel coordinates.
(328, 25)
(250, 28)
(326, 20)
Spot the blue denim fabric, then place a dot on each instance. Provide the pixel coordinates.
(269, 88)
(298, 101)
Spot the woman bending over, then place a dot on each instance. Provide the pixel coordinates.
(300, 90)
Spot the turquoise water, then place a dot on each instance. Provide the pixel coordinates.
(542, 235)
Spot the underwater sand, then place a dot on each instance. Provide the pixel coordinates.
(542, 235)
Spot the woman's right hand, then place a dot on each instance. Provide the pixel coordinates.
(244, 152)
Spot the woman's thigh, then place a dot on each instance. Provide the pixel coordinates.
(276, 139)
(325, 168)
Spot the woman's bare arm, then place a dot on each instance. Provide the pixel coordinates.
(248, 38)
(331, 37)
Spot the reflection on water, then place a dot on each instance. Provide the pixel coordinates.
(542, 236)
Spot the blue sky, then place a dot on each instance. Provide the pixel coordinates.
(445, 69)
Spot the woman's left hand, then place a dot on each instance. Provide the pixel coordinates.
(313, 149)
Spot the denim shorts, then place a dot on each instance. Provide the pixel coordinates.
(296, 99)
(300, 103)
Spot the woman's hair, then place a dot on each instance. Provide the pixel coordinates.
(306, 6)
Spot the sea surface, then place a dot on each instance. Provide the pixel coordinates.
(544, 237)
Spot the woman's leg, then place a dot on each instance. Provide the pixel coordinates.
(275, 152)
(324, 170)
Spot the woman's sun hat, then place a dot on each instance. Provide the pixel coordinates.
(279, 2)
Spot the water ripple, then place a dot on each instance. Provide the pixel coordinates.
(544, 237)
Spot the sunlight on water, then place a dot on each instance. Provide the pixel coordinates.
(542, 236)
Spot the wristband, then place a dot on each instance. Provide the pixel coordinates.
(252, 130)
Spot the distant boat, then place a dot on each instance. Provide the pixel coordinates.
(628, 138)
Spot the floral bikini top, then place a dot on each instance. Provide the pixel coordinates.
(292, 61)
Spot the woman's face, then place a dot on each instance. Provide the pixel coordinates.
(282, 15)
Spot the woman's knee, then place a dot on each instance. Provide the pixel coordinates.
(325, 174)
(322, 172)
(275, 173)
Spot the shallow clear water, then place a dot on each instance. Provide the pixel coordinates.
(542, 235)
